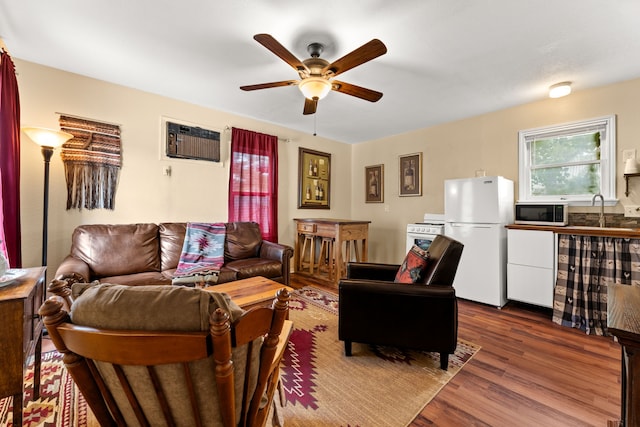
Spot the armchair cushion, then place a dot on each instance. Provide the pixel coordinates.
(111, 306)
(413, 267)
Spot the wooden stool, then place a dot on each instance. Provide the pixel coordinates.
(348, 255)
(310, 243)
(325, 257)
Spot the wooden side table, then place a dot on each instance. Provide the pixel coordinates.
(21, 335)
(343, 231)
(623, 321)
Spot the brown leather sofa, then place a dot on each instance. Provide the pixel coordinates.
(148, 254)
(422, 316)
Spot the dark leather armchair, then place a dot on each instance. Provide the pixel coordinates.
(423, 316)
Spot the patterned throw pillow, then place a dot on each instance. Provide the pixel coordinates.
(413, 267)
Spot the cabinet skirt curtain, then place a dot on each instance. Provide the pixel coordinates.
(586, 266)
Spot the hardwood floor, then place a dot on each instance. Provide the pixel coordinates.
(529, 372)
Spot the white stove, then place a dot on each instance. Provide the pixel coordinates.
(423, 233)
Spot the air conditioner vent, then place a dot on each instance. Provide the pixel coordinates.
(190, 142)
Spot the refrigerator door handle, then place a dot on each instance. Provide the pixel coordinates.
(460, 225)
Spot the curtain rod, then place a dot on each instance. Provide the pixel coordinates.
(287, 140)
(89, 119)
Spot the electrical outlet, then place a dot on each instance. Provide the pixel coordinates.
(628, 154)
(632, 211)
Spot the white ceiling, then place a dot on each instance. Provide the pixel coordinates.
(446, 59)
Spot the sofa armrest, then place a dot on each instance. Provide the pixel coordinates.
(372, 271)
(74, 270)
(278, 252)
(275, 251)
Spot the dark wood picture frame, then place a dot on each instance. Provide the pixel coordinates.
(410, 178)
(314, 179)
(374, 184)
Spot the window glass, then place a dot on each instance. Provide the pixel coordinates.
(569, 162)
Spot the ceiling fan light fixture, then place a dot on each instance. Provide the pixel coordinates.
(559, 90)
(315, 88)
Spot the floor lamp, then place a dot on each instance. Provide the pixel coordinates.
(48, 139)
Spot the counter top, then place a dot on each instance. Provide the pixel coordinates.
(629, 233)
(332, 221)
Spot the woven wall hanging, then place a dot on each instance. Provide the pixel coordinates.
(92, 160)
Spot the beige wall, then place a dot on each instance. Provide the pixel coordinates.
(451, 150)
(196, 191)
(488, 142)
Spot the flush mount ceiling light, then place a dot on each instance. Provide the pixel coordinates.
(559, 90)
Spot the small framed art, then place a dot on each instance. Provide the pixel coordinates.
(411, 175)
(374, 184)
(314, 179)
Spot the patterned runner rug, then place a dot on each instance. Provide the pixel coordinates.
(377, 386)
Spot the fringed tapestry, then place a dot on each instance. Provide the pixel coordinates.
(91, 163)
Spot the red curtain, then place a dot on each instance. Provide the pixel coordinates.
(253, 181)
(10, 160)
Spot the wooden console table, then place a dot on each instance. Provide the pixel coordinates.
(341, 230)
(623, 321)
(21, 335)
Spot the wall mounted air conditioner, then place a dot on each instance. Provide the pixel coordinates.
(191, 142)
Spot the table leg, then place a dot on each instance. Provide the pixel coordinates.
(339, 262)
(17, 409)
(365, 250)
(37, 359)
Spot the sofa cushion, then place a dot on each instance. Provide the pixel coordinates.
(252, 267)
(112, 250)
(412, 269)
(243, 240)
(171, 241)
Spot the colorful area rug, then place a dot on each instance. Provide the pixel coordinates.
(60, 403)
(377, 386)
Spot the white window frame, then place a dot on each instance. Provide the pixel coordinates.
(607, 128)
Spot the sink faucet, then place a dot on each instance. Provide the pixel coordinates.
(593, 203)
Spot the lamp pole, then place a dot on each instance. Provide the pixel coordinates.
(47, 139)
(47, 152)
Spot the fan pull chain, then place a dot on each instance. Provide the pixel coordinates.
(315, 119)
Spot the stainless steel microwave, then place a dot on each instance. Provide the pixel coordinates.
(542, 214)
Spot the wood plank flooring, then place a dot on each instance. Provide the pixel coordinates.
(529, 372)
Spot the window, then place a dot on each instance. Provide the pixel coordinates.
(253, 181)
(569, 162)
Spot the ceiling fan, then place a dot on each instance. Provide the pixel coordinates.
(316, 74)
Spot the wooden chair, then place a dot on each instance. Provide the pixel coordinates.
(225, 375)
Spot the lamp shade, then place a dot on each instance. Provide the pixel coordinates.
(559, 90)
(46, 137)
(315, 87)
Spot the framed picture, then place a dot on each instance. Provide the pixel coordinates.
(314, 179)
(411, 175)
(374, 184)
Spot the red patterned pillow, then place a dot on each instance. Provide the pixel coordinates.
(413, 267)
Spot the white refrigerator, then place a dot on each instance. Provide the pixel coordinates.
(476, 211)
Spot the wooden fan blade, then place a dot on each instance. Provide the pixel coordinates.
(269, 85)
(274, 46)
(357, 91)
(310, 106)
(364, 53)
